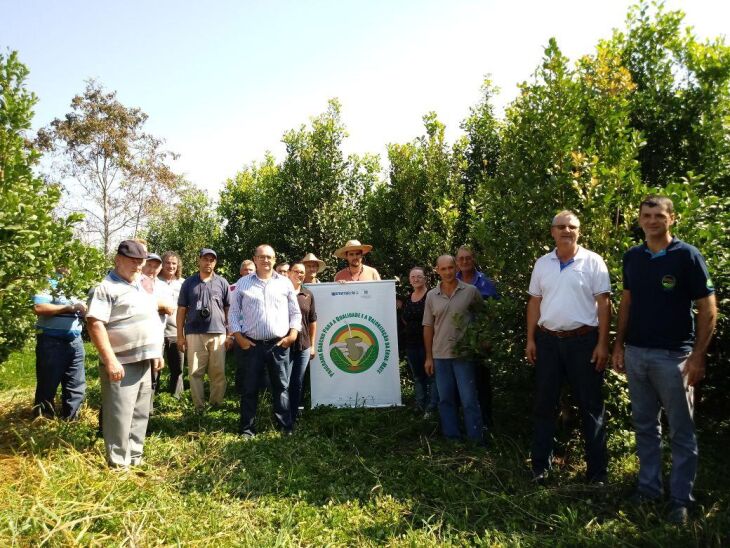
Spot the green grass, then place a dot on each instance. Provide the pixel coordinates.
(348, 477)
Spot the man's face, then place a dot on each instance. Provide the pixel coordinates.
(655, 221)
(283, 269)
(446, 269)
(465, 261)
(169, 266)
(354, 258)
(311, 268)
(206, 264)
(265, 259)
(152, 268)
(296, 274)
(248, 268)
(128, 268)
(565, 230)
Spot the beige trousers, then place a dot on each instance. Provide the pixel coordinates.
(206, 352)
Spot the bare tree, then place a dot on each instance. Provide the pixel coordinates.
(113, 171)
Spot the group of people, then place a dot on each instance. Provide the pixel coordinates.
(143, 310)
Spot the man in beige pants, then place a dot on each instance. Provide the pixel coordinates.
(202, 317)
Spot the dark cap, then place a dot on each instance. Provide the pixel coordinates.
(153, 257)
(206, 251)
(132, 249)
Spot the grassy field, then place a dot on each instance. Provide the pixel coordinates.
(348, 477)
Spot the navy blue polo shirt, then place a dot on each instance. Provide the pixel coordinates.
(195, 294)
(662, 288)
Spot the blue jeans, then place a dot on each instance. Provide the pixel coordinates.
(59, 361)
(457, 376)
(299, 360)
(560, 359)
(252, 364)
(427, 395)
(656, 381)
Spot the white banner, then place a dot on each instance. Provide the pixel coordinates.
(356, 360)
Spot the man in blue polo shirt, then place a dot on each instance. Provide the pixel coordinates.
(469, 274)
(662, 349)
(59, 352)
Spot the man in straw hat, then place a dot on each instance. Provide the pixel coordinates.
(355, 271)
(312, 266)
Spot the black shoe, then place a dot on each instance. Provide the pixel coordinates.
(540, 478)
(678, 513)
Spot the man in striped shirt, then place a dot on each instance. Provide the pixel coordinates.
(125, 328)
(265, 320)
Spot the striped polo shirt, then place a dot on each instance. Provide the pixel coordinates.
(130, 317)
(65, 326)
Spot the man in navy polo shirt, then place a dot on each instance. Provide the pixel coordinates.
(202, 317)
(662, 349)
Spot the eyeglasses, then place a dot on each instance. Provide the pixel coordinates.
(563, 227)
(266, 257)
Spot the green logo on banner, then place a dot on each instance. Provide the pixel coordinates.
(353, 348)
(353, 342)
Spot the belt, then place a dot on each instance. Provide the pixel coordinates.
(264, 341)
(577, 332)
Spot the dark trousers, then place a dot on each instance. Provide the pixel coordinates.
(483, 378)
(174, 360)
(299, 360)
(59, 361)
(569, 359)
(251, 365)
(427, 395)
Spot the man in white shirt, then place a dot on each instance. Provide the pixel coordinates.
(568, 320)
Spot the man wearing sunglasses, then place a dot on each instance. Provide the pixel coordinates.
(568, 320)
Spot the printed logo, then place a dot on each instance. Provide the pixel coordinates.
(668, 282)
(353, 342)
(353, 348)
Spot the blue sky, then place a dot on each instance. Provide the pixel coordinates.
(222, 81)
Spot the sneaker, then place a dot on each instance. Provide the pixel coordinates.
(427, 415)
(540, 478)
(678, 514)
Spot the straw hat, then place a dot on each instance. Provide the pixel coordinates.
(311, 258)
(352, 245)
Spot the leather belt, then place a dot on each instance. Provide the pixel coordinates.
(266, 341)
(577, 332)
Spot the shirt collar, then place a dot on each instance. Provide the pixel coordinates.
(459, 285)
(579, 255)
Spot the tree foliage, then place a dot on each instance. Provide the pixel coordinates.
(311, 201)
(116, 172)
(185, 225)
(33, 241)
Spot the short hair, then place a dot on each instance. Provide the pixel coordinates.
(255, 251)
(167, 254)
(654, 200)
(453, 260)
(466, 248)
(247, 262)
(565, 213)
(417, 267)
(300, 263)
